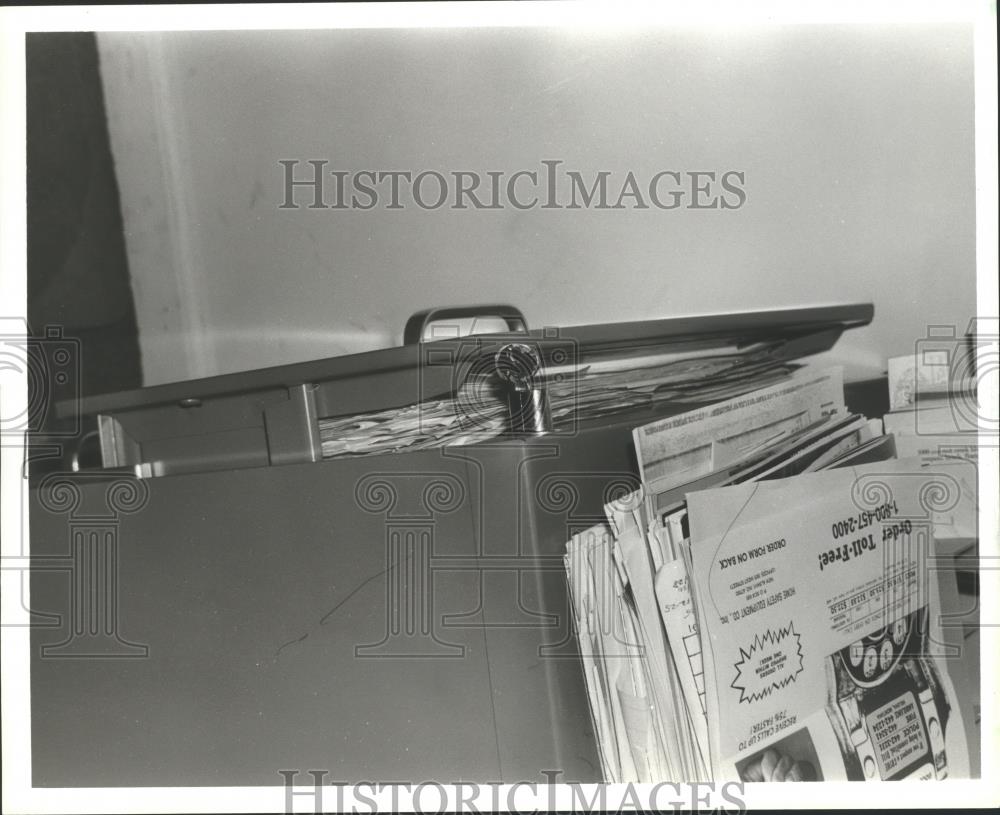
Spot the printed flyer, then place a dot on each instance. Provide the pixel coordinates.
(820, 621)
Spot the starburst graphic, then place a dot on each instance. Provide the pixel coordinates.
(771, 663)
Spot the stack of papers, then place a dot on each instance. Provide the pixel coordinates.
(477, 413)
(763, 609)
(576, 392)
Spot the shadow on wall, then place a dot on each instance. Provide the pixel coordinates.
(77, 270)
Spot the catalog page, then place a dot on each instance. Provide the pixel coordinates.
(819, 617)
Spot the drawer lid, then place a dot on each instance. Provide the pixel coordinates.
(293, 413)
(404, 375)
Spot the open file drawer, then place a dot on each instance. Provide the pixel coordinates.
(218, 603)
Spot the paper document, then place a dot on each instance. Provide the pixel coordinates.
(679, 449)
(819, 624)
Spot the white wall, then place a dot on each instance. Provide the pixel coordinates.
(857, 145)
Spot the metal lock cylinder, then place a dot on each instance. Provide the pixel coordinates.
(519, 367)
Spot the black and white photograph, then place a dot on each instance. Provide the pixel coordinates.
(452, 406)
